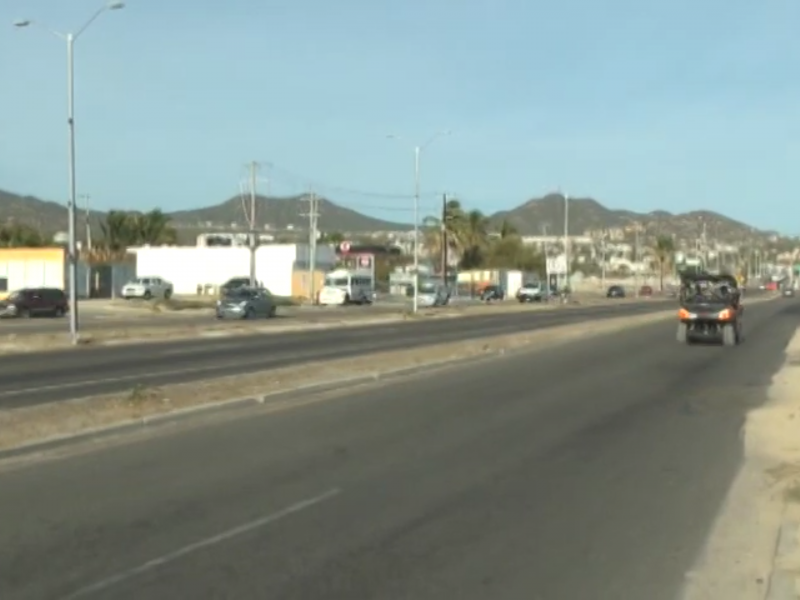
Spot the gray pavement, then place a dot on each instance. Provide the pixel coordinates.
(28, 379)
(100, 320)
(588, 471)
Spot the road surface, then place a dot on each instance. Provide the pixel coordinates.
(592, 470)
(26, 380)
(99, 320)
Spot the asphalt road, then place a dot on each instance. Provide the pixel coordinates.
(592, 470)
(29, 379)
(100, 320)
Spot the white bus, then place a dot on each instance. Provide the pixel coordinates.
(345, 287)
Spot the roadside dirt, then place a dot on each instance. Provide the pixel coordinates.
(64, 419)
(743, 553)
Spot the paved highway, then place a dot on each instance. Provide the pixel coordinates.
(100, 320)
(592, 470)
(28, 379)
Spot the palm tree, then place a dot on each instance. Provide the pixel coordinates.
(18, 235)
(664, 251)
(475, 238)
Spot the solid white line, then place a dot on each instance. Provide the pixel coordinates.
(191, 548)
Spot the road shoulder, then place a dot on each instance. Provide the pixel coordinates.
(753, 552)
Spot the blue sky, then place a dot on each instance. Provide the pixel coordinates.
(675, 105)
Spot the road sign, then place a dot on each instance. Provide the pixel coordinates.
(344, 247)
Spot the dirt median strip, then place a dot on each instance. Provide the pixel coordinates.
(30, 427)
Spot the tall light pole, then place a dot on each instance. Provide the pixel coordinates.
(566, 241)
(70, 38)
(417, 152)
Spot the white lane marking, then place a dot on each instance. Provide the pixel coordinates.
(165, 559)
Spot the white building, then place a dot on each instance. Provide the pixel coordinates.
(194, 270)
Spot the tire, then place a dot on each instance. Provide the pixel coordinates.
(346, 300)
(25, 313)
(273, 310)
(167, 294)
(58, 312)
(249, 313)
(147, 295)
(682, 336)
(729, 335)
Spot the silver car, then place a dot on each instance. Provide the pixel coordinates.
(246, 303)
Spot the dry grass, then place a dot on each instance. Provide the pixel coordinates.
(28, 425)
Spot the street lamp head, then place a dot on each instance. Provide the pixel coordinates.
(115, 5)
(22, 23)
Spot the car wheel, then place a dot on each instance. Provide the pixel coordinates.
(683, 333)
(167, 294)
(729, 335)
(58, 312)
(147, 295)
(249, 313)
(273, 310)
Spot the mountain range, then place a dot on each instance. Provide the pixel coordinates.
(537, 216)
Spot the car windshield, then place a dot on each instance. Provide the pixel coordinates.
(336, 281)
(708, 290)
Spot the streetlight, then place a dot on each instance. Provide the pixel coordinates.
(70, 38)
(417, 151)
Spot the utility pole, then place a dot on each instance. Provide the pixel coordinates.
(566, 241)
(86, 198)
(636, 259)
(603, 263)
(313, 216)
(252, 222)
(444, 240)
(546, 248)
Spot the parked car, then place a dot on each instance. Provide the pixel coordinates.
(246, 303)
(35, 302)
(615, 291)
(492, 292)
(147, 288)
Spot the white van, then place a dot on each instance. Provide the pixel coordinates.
(347, 287)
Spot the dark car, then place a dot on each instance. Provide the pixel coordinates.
(235, 283)
(246, 303)
(615, 291)
(35, 302)
(492, 292)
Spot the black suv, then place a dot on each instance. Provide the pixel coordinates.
(35, 302)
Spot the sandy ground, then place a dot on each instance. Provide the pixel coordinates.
(745, 557)
(64, 419)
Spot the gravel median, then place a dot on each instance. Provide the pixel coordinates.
(143, 405)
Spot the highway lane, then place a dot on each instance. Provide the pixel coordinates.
(592, 470)
(104, 320)
(26, 380)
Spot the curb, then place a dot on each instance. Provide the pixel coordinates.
(783, 583)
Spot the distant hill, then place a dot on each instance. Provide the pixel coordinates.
(587, 216)
(280, 213)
